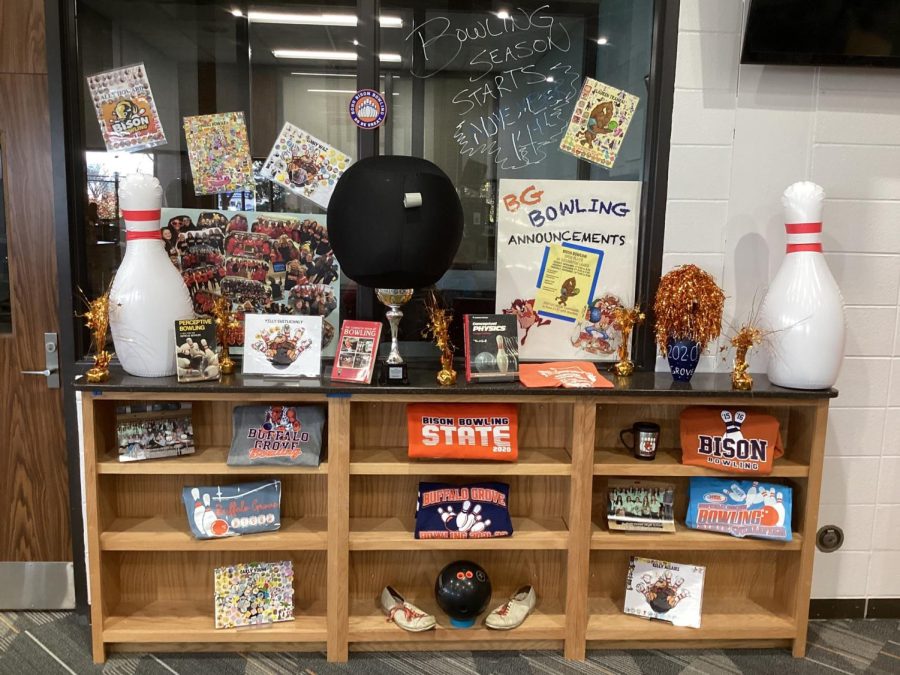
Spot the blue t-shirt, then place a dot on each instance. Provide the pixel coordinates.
(473, 511)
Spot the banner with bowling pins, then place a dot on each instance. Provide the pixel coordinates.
(566, 258)
(266, 263)
(741, 508)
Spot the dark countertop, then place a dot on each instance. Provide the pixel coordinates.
(422, 381)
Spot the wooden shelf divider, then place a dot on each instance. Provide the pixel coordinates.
(685, 539)
(617, 462)
(395, 462)
(209, 460)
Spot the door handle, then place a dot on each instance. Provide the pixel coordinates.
(47, 372)
(51, 355)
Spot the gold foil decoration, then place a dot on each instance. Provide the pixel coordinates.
(625, 319)
(688, 306)
(743, 341)
(439, 319)
(226, 321)
(97, 321)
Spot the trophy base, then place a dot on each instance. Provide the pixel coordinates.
(394, 374)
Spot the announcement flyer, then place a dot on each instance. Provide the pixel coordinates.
(565, 260)
(125, 109)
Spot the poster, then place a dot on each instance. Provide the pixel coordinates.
(219, 151)
(125, 109)
(282, 346)
(599, 123)
(254, 593)
(305, 165)
(571, 227)
(267, 263)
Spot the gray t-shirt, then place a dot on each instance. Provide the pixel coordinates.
(277, 434)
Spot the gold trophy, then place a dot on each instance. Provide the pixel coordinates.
(394, 368)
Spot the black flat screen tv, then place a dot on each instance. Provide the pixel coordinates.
(823, 33)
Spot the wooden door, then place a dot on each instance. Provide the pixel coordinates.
(33, 473)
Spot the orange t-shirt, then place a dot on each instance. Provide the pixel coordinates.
(463, 431)
(730, 439)
(569, 374)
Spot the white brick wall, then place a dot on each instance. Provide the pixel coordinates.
(740, 135)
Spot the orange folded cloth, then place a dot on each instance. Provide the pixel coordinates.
(568, 374)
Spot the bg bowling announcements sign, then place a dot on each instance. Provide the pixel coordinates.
(565, 260)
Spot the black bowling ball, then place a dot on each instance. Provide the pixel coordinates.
(463, 591)
(377, 240)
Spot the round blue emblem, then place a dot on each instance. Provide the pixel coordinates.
(368, 109)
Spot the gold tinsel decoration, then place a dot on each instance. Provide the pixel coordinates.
(743, 341)
(625, 319)
(97, 321)
(438, 328)
(688, 306)
(226, 322)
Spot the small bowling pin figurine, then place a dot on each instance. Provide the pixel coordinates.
(803, 310)
(502, 356)
(147, 294)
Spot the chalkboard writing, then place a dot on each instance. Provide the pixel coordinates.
(521, 80)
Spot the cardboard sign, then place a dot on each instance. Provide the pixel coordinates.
(733, 441)
(463, 431)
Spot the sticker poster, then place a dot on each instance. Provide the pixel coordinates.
(566, 258)
(219, 151)
(266, 263)
(599, 123)
(282, 346)
(305, 165)
(125, 109)
(254, 593)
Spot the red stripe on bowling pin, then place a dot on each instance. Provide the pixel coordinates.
(148, 214)
(132, 235)
(803, 228)
(803, 237)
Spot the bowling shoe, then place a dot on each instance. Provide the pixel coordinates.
(403, 613)
(514, 611)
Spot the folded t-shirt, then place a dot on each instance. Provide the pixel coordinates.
(472, 511)
(277, 434)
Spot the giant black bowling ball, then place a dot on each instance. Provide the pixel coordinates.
(463, 591)
(381, 244)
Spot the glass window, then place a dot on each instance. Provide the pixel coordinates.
(486, 94)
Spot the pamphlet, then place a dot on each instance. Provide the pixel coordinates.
(667, 591)
(357, 351)
(125, 109)
(599, 123)
(282, 345)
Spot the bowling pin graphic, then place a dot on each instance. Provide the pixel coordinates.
(446, 515)
(803, 311)
(147, 294)
(480, 525)
(208, 516)
(502, 357)
(751, 494)
(733, 425)
(473, 517)
(198, 509)
(463, 516)
(779, 506)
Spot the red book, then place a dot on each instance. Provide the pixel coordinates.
(356, 352)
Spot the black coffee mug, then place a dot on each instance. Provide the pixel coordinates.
(644, 439)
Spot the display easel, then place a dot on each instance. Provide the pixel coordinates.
(348, 524)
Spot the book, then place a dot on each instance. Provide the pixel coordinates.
(673, 592)
(282, 345)
(357, 351)
(640, 506)
(247, 594)
(154, 433)
(196, 355)
(492, 347)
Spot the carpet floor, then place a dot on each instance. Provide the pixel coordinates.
(46, 643)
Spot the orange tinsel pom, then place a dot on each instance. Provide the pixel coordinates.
(689, 306)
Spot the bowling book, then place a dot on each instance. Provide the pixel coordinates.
(740, 508)
(196, 357)
(231, 510)
(641, 506)
(473, 511)
(673, 592)
(492, 347)
(285, 435)
(357, 350)
(154, 433)
(282, 345)
(249, 594)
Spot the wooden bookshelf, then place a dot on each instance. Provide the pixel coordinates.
(348, 524)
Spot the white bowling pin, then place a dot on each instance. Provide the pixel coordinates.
(446, 515)
(198, 509)
(803, 308)
(502, 357)
(480, 525)
(147, 294)
(751, 494)
(463, 516)
(737, 493)
(208, 516)
(779, 506)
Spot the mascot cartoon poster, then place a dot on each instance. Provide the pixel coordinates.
(566, 258)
